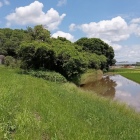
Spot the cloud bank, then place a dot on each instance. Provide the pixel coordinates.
(33, 15)
(113, 30)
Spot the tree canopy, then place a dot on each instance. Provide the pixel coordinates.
(35, 48)
(96, 45)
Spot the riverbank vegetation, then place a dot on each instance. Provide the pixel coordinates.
(35, 49)
(91, 75)
(33, 108)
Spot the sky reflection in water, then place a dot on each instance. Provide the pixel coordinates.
(118, 88)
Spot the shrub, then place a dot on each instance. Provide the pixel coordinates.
(9, 61)
(47, 75)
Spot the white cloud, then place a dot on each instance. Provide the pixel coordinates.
(134, 29)
(116, 47)
(72, 27)
(33, 15)
(68, 36)
(128, 53)
(6, 2)
(135, 20)
(61, 2)
(1, 4)
(113, 30)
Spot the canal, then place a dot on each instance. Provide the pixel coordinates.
(117, 88)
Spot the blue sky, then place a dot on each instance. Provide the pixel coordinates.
(117, 22)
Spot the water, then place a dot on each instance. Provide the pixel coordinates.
(118, 88)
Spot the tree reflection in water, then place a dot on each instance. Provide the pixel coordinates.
(104, 87)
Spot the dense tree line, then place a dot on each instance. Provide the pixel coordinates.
(35, 48)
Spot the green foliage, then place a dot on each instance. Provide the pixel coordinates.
(27, 54)
(95, 45)
(95, 61)
(39, 33)
(10, 41)
(9, 61)
(44, 58)
(61, 57)
(47, 75)
(35, 48)
(36, 56)
(69, 61)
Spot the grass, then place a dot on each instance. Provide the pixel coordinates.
(34, 109)
(91, 75)
(132, 74)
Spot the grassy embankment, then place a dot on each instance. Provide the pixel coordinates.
(91, 75)
(35, 109)
(132, 74)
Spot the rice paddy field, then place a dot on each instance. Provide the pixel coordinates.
(36, 109)
(132, 74)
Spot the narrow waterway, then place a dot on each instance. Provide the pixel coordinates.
(118, 88)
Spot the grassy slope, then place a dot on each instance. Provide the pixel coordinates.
(90, 76)
(33, 109)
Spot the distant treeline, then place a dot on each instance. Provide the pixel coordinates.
(35, 49)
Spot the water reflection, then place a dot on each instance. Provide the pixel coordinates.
(118, 88)
(105, 86)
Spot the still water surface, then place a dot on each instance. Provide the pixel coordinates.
(118, 88)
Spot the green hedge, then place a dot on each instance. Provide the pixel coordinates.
(47, 75)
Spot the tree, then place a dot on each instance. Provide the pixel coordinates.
(95, 45)
(10, 41)
(39, 33)
(2, 41)
(27, 54)
(7, 32)
(44, 58)
(68, 61)
(36, 49)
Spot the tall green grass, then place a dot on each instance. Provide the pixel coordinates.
(34, 109)
(91, 75)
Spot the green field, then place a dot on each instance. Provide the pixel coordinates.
(132, 74)
(35, 109)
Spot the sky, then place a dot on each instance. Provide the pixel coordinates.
(117, 22)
